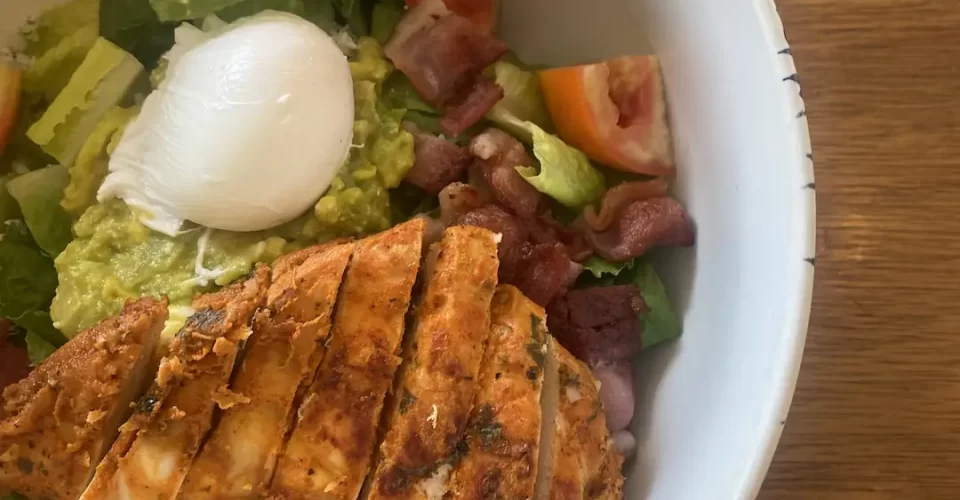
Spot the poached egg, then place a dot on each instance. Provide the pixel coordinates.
(246, 132)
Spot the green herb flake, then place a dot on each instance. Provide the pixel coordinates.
(406, 400)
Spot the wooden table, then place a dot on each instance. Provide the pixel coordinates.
(877, 409)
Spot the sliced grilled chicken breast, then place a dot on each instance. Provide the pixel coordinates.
(151, 457)
(582, 461)
(438, 378)
(56, 424)
(329, 451)
(503, 436)
(238, 458)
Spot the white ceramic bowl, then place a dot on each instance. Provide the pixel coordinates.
(713, 404)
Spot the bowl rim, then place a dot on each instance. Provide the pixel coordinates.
(791, 353)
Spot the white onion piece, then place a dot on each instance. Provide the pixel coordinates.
(616, 392)
(625, 443)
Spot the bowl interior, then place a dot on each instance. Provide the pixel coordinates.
(713, 403)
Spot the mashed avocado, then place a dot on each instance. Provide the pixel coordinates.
(357, 202)
(114, 258)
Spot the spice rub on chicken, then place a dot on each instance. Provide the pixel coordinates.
(438, 380)
(156, 446)
(56, 424)
(330, 448)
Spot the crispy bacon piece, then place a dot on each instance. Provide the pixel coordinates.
(641, 226)
(438, 162)
(599, 325)
(617, 197)
(444, 56)
(498, 154)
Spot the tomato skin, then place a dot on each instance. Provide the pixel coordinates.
(481, 12)
(10, 80)
(614, 112)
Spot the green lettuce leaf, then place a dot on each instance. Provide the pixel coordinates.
(39, 194)
(51, 71)
(28, 282)
(182, 10)
(58, 23)
(100, 83)
(399, 93)
(386, 15)
(660, 323)
(38, 349)
(248, 8)
(133, 26)
(321, 13)
(9, 209)
(522, 101)
(565, 173)
(90, 167)
(600, 267)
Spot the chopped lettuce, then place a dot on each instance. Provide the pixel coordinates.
(661, 322)
(398, 92)
(358, 201)
(321, 13)
(58, 23)
(599, 267)
(39, 194)
(100, 83)
(51, 71)
(8, 206)
(565, 173)
(90, 167)
(246, 8)
(134, 27)
(28, 282)
(386, 15)
(182, 10)
(522, 101)
(38, 349)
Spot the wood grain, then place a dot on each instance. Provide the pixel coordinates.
(877, 409)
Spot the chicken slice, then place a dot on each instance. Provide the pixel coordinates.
(150, 459)
(329, 450)
(503, 435)
(238, 458)
(56, 424)
(438, 380)
(582, 461)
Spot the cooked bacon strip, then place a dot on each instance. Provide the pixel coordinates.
(543, 272)
(471, 106)
(444, 56)
(458, 199)
(438, 162)
(499, 154)
(599, 325)
(620, 196)
(641, 226)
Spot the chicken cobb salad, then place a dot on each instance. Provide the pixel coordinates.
(158, 155)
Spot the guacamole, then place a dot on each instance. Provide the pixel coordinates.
(115, 258)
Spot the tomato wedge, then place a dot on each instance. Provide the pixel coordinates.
(10, 78)
(614, 112)
(481, 12)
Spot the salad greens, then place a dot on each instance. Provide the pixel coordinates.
(522, 101)
(183, 10)
(565, 173)
(39, 194)
(58, 23)
(661, 322)
(133, 26)
(100, 83)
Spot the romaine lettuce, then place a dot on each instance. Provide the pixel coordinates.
(51, 71)
(522, 101)
(99, 84)
(90, 167)
(182, 10)
(28, 282)
(38, 349)
(39, 194)
(386, 15)
(248, 8)
(58, 23)
(134, 27)
(565, 173)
